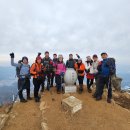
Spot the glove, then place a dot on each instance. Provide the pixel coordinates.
(12, 55)
(77, 55)
(39, 53)
(62, 74)
(39, 72)
(80, 71)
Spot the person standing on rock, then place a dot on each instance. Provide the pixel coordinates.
(60, 71)
(95, 69)
(95, 64)
(48, 64)
(80, 69)
(36, 71)
(55, 60)
(89, 73)
(23, 74)
(105, 69)
(71, 62)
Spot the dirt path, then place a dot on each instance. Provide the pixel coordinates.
(94, 115)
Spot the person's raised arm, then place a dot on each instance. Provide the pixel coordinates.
(12, 60)
(77, 56)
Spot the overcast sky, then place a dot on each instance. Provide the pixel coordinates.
(65, 26)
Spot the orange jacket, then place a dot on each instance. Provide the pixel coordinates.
(36, 70)
(80, 69)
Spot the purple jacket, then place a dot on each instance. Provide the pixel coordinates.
(60, 67)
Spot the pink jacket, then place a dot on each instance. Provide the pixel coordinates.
(60, 67)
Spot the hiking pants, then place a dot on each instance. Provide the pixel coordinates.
(48, 76)
(59, 81)
(80, 79)
(23, 83)
(89, 83)
(37, 83)
(102, 81)
(52, 78)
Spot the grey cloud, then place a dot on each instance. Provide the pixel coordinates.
(64, 26)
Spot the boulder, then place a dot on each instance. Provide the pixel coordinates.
(72, 104)
(116, 83)
(44, 126)
(127, 95)
(3, 119)
(116, 95)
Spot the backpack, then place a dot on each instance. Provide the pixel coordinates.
(112, 65)
(18, 69)
(35, 69)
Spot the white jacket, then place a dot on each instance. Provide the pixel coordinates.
(95, 65)
(88, 66)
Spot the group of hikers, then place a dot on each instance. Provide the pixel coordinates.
(47, 69)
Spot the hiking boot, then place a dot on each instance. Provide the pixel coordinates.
(108, 100)
(80, 91)
(48, 87)
(63, 90)
(23, 100)
(39, 97)
(94, 95)
(89, 90)
(51, 86)
(98, 98)
(58, 92)
(42, 90)
(37, 100)
(29, 98)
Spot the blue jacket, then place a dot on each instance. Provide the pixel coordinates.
(23, 68)
(105, 71)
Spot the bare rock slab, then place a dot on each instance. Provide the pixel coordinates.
(3, 119)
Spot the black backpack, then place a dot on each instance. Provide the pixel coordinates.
(111, 63)
(18, 69)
